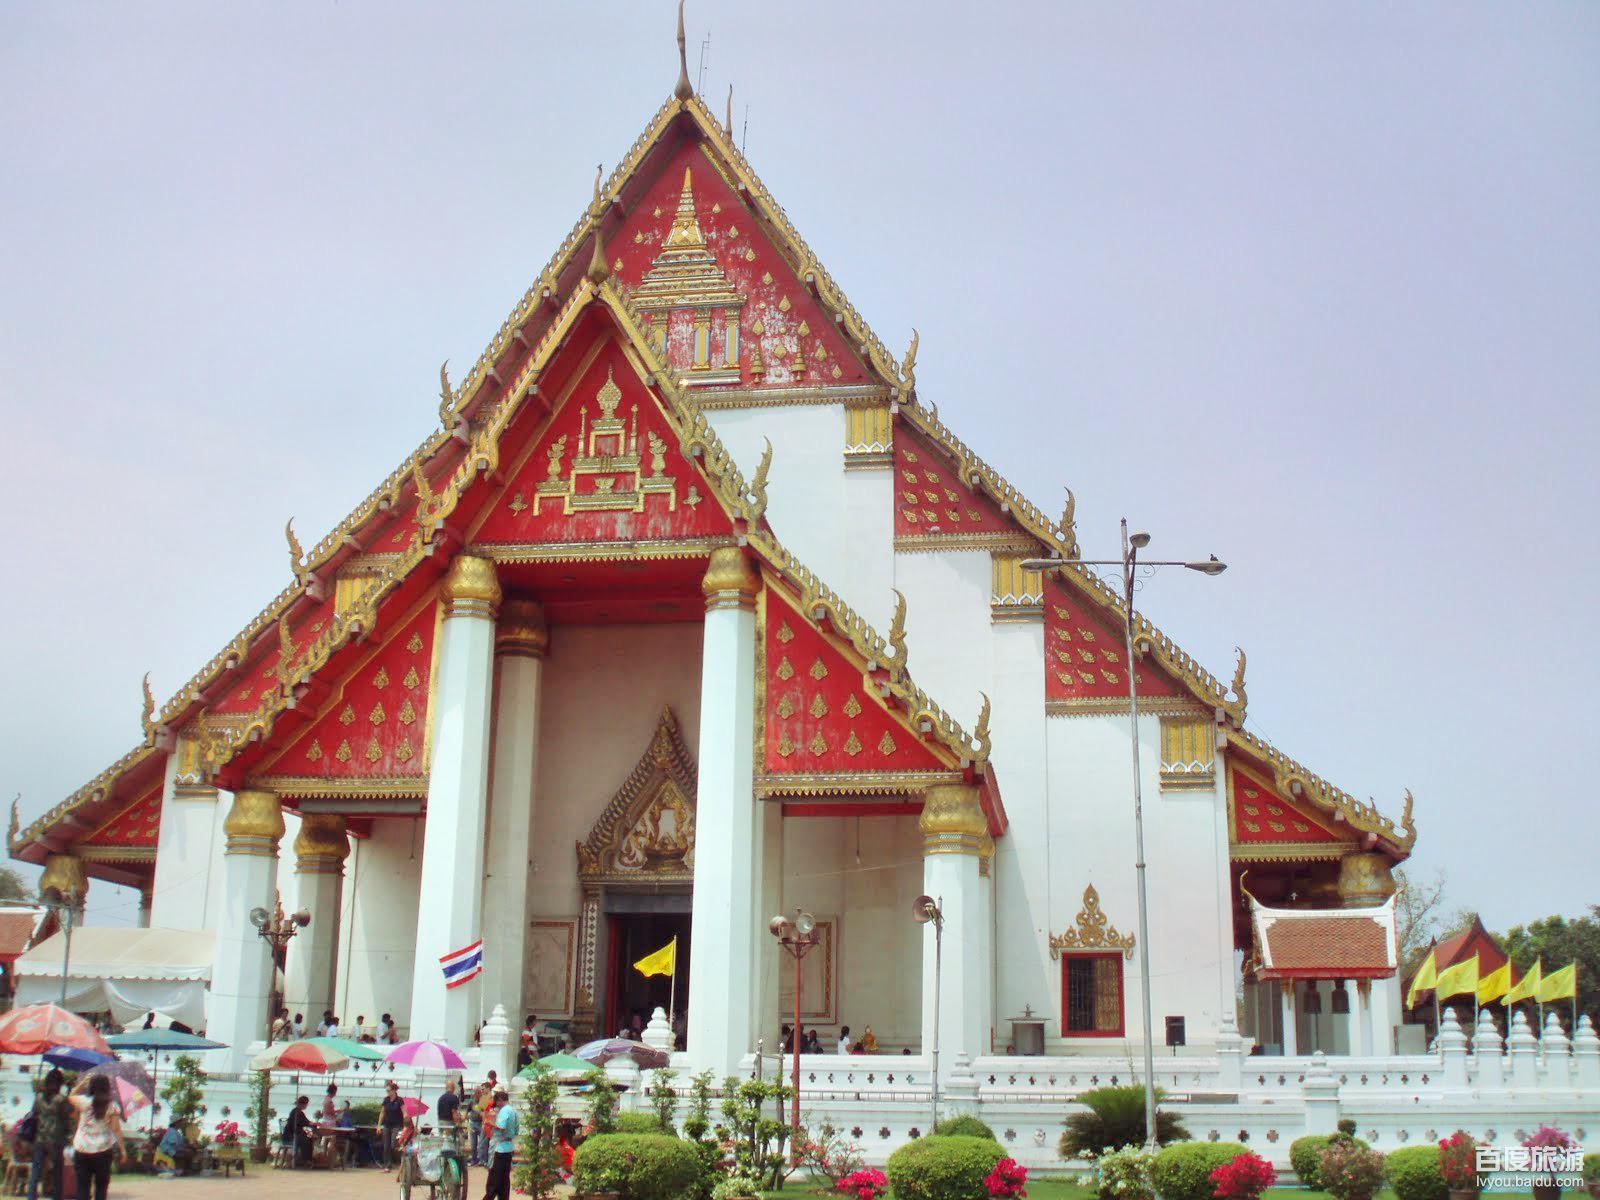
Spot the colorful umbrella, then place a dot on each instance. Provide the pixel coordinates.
(430, 1056)
(353, 1050)
(561, 1064)
(71, 1058)
(131, 1073)
(413, 1107)
(161, 1039)
(604, 1050)
(299, 1056)
(128, 1096)
(35, 1028)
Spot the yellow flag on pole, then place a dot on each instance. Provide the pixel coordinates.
(1528, 987)
(1422, 981)
(663, 962)
(1495, 984)
(1459, 980)
(1560, 985)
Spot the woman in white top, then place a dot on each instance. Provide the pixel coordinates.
(99, 1134)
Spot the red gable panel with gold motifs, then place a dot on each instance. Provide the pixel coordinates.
(260, 679)
(821, 717)
(693, 259)
(376, 724)
(1085, 654)
(1262, 816)
(607, 468)
(136, 827)
(931, 501)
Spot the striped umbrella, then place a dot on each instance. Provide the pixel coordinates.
(299, 1056)
(353, 1050)
(429, 1056)
(35, 1028)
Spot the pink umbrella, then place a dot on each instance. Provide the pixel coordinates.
(412, 1106)
(126, 1094)
(430, 1056)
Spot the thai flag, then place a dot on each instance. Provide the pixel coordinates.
(462, 965)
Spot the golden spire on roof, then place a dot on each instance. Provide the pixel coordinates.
(728, 120)
(609, 396)
(686, 224)
(685, 274)
(683, 91)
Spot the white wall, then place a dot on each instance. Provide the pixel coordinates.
(381, 885)
(880, 945)
(948, 627)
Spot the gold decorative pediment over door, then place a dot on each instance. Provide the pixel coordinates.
(646, 833)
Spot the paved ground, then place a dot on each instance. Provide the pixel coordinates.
(266, 1183)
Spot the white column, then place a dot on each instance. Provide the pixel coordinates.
(722, 967)
(310, 983)
(241, 976)
(449, 908)
(1361, 1019)
(521, 642)
(955, 837)
(1385, 1014)
(189, 816)
(1291, 1046)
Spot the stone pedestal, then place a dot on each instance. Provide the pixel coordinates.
(449, 909)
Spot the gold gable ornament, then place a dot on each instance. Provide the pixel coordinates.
(647, 830)
(1093, 931)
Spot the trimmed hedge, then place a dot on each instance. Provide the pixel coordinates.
(638, 1122)
(1183, 1171)
(1305, 1155)
(940, 1167)
(964, 1126)
(639, 1166)
(1413, 1172)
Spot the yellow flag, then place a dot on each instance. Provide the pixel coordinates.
(1423, 981)
(1459, 980)
(663, 962)
(1495, 984)
(1528, 987)
(1560, 985)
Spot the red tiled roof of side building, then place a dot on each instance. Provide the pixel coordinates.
(16, 932)
(1330, 947)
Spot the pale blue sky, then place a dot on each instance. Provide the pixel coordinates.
(1312, 286)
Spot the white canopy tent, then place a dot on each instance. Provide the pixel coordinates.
(127, 972)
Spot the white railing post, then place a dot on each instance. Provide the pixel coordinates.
(1453, 1050)
(1230, 1056)
(1488, 1067)
(1524, 1054)
(1557, 1054)
(1321, 1090)
(1586, 1054)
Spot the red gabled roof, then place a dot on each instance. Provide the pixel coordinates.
(1352, 943)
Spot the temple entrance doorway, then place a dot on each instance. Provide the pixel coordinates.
(638, 926)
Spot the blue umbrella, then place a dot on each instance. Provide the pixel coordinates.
(73, 1058)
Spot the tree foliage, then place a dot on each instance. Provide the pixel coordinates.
(538, 1170)
(13, 886)
(1559, 941)
(1418, 912)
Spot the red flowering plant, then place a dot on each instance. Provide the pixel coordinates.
(228, 1133)
(1458, 1162)
(867, 1183)
(1245, 1178)
(1008, 1178)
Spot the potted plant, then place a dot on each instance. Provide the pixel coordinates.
(260, 1113)
(1009, 1178)
(1245, 1178)
(228, 1144)
(1348, 1170)
(1458, 1163)
(1548, 1149)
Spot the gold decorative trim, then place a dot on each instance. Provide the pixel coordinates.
(929, 543)
(254, 824)
(731, 580)
(303, 787)
(630, 551)
(1092, 931)
(952, 821)
(1015, 614)
(1113, 707)
(113, 854)
(664, 778)
(1289, 851)
(471, 588)
(96, 789)
(521, 631)
(1188, 753)
(867, 783)
(811, 397)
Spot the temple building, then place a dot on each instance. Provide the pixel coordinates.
(690, 611)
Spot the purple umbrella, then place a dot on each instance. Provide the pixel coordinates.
(603, 1051)
(428, 1055)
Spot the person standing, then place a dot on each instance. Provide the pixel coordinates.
(99, 1135)
(52, 1117)
(505, 1144)
(482, 1097)
(297, 1130)
(391, 1118)
(844, 1039)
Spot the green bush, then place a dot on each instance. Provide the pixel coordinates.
(638, 1166)
(1115, 1119)
(638, 1122)
(1183, 1171)
(1413, 1173)
(963, 1126)
(1591, 1168)
(943, 1168)
(366, 1113)
(1305, 1154)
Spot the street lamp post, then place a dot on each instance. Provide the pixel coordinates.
(797, 937)
(927, 911)
(1129, 564)
(65, 906)
(277, 930)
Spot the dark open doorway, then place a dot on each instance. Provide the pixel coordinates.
(632, 936)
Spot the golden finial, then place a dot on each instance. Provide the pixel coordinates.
(758, 485)
(980, 731)
(297, 556)
(147, 717)
(908, 370)
(447, 399)
(285, 646)
(599, 270)
(1405, 815)
(16, 819)
(597, 209)
(1069, 529)
(420, 479)
(683, 91)
(1237, 689)
(728, 120)
(897, 631)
